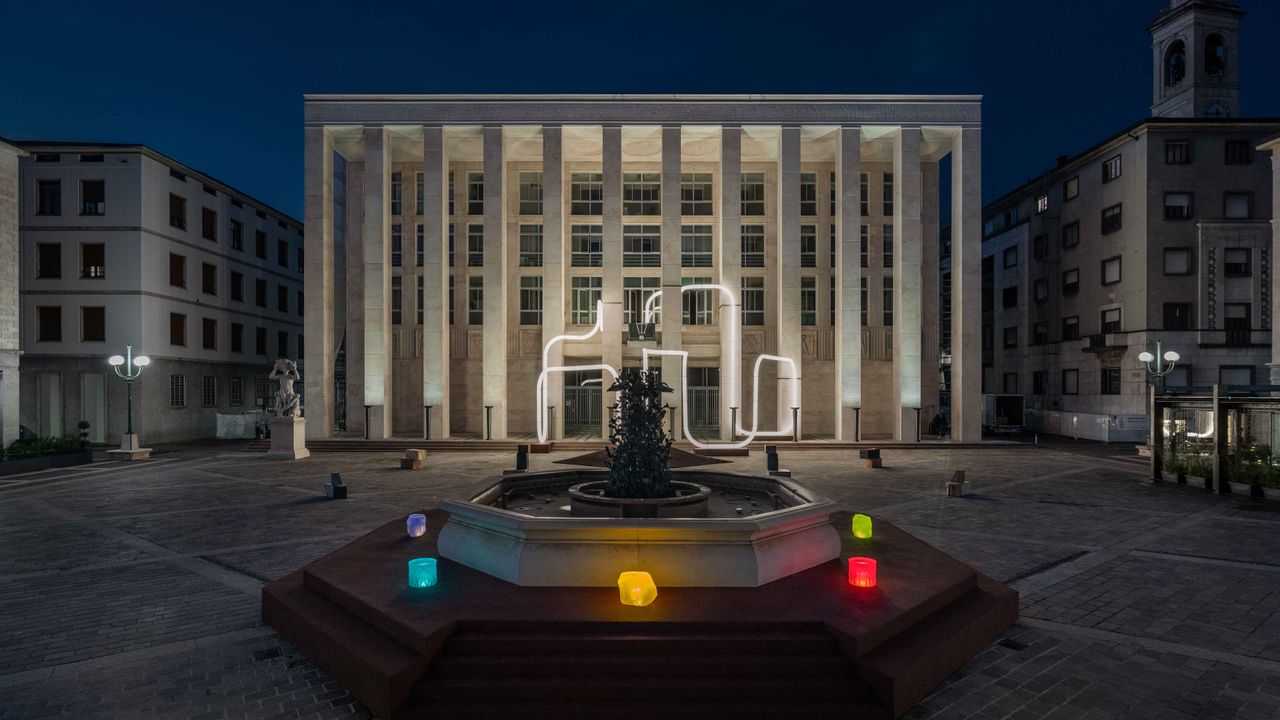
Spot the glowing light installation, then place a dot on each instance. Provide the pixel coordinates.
(416, 525)
(540, 391)
(636, 588)
(422, 572)
(862, 526)
(862, 572)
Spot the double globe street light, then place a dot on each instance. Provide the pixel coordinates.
(129, 368)
(1161, 369)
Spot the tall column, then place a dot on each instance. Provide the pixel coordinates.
(318, 279)
(908, 282)
(966, 285)
(672, 301)
(730, 277)
(611, 263)
(788, 254)
(1274, 365)
(377, 282)
(435, 284)
(848, 282)
(353, 331)
(553, 267)
(494, 361)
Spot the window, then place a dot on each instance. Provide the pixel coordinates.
(1235, 375)
(584, 294)
(397, 194)
(887, 243)
(641, 194)
(1215, 56)
(397, 245)
(282, 298)
(1237, 205)
(1011, 383)
(1111, 219)
(237, 338)
(586, 193)
(1070, 235)
(282, 252)
(695, 194)
(863, 242)
(49, 260)
(1110, 381)
(208, 224)
(1037, 382)
(698, 306)
(1070, 382)
(988, 339)
(1040, 246)
(302, 266)
(808, 193)
(1238, 152)
(177, 391)
(475, 245)
(420, 202)
(1041, 290)
(1177, 152)
(450, 192)
(808, 301)
(397, 299)
(1175, 63)
(831, 245)
(1177, 316)
(260, 293)
(260, 390)
(282, 343)
(531, 300)
(1111, 270)
(888, 195)
(865, 311)
(1010, 337)
(831, 187)
(475, 193)
(1042, 204)
(236, 386)
(237, 235)
(93, 260)
(1237, 262)
(209, 333)
(419, 296)
(530, 193)
(93, 324)
(752, 301)
(260, 244)
(1071, 328)
(808, 246)
(49, 197)
(421, 235)
(450, 244)
(587, 242)
(302, 306)
(93, 197)
(475, 300)
(864, 192)
(1177, 261)
(752, 246)
(1010, 297)
(1111, 169)
(887, 296)
(1040, 333)
(695, 246)
(237, 286)
(48, 158)
(752, 194)
(1071, 188)
(1110, 320)
(635, 293)
(1011, 256)
(1070, 282)
(260, 341)
(49, 323)
(178, 329)
(451, 303)
(1177, 206)
(642, 245)
(209, 279)
(177, 270)
(177, 212)
(531, 244)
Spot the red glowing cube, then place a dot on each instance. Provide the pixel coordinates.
(862, 572)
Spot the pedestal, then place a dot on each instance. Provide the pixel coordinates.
(288, 439)
(130, 449)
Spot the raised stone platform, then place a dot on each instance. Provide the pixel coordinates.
(482, 638)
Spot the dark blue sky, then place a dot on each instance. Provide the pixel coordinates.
(219, 86)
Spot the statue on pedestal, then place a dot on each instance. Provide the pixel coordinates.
(286, 374)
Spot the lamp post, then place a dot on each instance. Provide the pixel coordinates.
(1155, 431)
(129, 368)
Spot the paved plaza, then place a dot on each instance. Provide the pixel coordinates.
(133, 590)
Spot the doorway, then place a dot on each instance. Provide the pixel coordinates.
(583, 396)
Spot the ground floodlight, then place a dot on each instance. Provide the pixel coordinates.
(862, 572)
(422, 572)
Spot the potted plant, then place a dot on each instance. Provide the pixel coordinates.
(84, 431)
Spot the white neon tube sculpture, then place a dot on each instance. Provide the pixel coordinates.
(540, 391)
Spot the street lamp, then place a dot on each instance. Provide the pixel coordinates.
(1155, 428)
(129, 368)
(1160, 370)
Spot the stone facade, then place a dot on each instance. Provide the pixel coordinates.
(474, 229)
(9, 347)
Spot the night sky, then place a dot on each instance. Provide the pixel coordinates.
(218, 86)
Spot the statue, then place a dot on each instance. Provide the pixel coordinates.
(286, 374)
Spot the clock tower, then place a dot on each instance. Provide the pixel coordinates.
(1194, 46)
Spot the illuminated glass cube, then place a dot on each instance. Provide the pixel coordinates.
(636, 588)
(862, 526)
(416, 525)
(862, 572)
(422, 572)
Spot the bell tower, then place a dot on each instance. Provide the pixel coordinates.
(1195, 52)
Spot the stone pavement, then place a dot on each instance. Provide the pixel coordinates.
(132, 590)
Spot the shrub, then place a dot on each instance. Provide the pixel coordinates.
(639, 446)
(41, 446)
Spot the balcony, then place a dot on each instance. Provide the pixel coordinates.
(1235, 338)
(1103, 342)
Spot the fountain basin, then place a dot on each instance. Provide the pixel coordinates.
(588, 500)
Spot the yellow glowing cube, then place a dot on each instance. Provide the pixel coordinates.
(862, 526)
(636, 588)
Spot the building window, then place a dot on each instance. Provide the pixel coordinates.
(237, 286)
(48, 197)
(1042, 204)
(178, 329)
(260, 391)
(421, 235)
(831, 194)
(635, 293)
(808, 301)
(1111, 270)
(237, 338)
(1235, 375)
(887, 244)
(260, 293)
(1037, 382)
(177, 212)
(752, 246)
(808, 193)
(475, 300)
(888, 195)
(695, 194)
(420, 202)
(451, 193)
(260, 341)
(450, 244)
(397, 245)
(864, 194)
(209, 279)
(1041, 289)
(237, 235)
(753, 301)
(1237, 205)
(260, 244)
(1237, 262)
(419, 297)
(282, 298)
(808, 246)
(397, 194)
(1239, 152)
(1071, 328)
(1070, 282)
(586, 193)
(301, 305)
(1177, 316)
(530, 193)
(863, 242)
(1040, 246)
(397, 299)
(475, 193)
(1177, 152)
(282, 252)
(586, 246)
(1010, 297)
(698, 306)
(177, 391)
(49, 323)
(236, 386)
(1070, 382)
(1071, 188)
(1110, 321)
(209, 333)
(93, 324)
(887, 297)
(1111, 169)
(209, 224)
(752, 194)
(177, 270)
(93, 197)
(1010, 256)
(584, 294)
(1111, 219)
(695, 246)
(1177, 261)
(831, 245)
(1010, 337)
(1237, 316)
(1040, 333)
(531, 300)
(451, 305)
(475, 245)
(641, 194)
(531, 244)
(282, 343)
(1177, 205)
(48, 260)
(1110, 381)
(642, 245)
(1070, 235)
(864, 310)
(1011, 383)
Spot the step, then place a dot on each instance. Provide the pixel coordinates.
(655, 708)
(674, 686)
(467, 642)
(565, 665)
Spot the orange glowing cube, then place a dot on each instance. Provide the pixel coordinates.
(862, 572)
(636, 588)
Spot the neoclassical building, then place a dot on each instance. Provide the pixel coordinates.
(480, 265)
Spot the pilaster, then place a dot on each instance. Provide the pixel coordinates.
(611, 262)
(848, 282)
(435, 285)
(494, 362)
(318, 279)
(731, 277)
(908, 283)
(788, 254)
(672, 300)
(966, 286)
(377, 282)
(553, 291)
